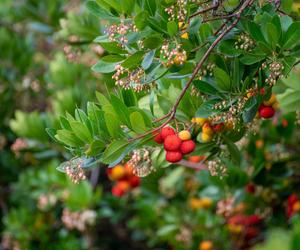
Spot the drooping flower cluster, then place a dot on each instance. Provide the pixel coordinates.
(78, 220)
(74, 171)
(18, 146)
(131, 79)
(141, 162)
(118, 32)
(275, 69)
(46, 201)
(216, 168)
(244, 42)
(171, 54)
(177, 11)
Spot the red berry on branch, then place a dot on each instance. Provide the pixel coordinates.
(262, 91)
(217, 128)
(187, 147)
(166, 131)
(250, 188)
(173, 156)
(134, 181)
(117, 191)
(158, 139)
(266, 112)
(172, 143)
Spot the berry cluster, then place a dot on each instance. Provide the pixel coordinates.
(125, 179)
(247, 225)
(175, 144)
(208, 129)
(267, 108)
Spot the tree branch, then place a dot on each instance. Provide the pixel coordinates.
(172, 113)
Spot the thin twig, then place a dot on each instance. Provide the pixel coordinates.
(193, 165)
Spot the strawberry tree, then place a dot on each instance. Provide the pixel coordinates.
(182, 78)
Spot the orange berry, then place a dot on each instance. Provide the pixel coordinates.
(271, 101)
(196, 158)
(206, 245)
(117, 172)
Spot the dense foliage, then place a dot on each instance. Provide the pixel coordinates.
(176, 123)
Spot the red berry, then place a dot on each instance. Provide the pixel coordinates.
(266, 112)
(250, 188)
(158, 139)
(117, 191)
(292, 199)
(262, 91)
(187, 147)
(134, 181)
(218, 127)
(172, 143)
(167, 131)
(253, 219)
(173, 156)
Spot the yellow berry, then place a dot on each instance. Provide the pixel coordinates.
(206, 137)
(195, 203)
(271, 101)
(206, 202)
(275, 105)
(207, 129)
(185, 35)
(184, 135)
(199, 120)
(117, 172)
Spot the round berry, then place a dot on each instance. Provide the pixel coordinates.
(134, 181)
(207, 129)
(117, 191)
(166, 131)
(217, 128)
(173, 156)
(172, 143)
(158, 139)
(117, 173)
(271, 101)
(187, 147)
(206, 137)
(196, 158)
(266, 112)
(184, 135)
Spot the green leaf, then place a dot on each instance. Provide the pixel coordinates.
(286, 5)
(104, 67)
(233, 150)
(172, 27)
(81, 131)
(113, 48)
(127, 6)
(121, 110)
(250, 109)
(113, 125)
(114, 151)
(227, 47)
(137, 122)
(222, 79)
(96, 10)
(292, 36)
(150, 6)
(153, 41)
(148, 59)
(272, 34)
(289, 101)
(134, 60)
(95, 148)
(206, 88)
(113, 58)
(67, 137)
(141, 19)
(256, 32)
(249, 59)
